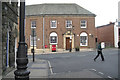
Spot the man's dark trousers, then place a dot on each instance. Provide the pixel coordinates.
(99, 53)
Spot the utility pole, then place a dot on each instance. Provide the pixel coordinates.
(22, 60)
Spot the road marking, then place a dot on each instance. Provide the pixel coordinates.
(93, 69)
(109, 77)
(50, 67)
(100, 73)
(65, 56)
(69, 71)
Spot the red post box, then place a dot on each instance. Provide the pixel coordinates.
(53, 48)
(45, 46)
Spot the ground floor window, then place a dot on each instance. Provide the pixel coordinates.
(83, 39)
(31, 40)
(53, 38)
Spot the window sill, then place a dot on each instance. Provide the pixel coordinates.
(33, 27)
(53, 43)
(83, 27)
(53, 27)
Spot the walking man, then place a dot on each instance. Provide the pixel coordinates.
(99, 50)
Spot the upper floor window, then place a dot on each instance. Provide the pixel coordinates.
(83, 23)
(68, 24)
(33, 24)
(53, 23)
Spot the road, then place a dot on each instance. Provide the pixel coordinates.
(77, 61)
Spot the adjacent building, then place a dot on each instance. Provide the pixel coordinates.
(59, 26)
(119, 19)
(109, 34)
(8, 33)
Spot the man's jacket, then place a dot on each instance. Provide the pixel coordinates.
(99, 47)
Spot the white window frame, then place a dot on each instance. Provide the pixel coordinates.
(55, 23)
(31, 23)
(84, 34)
(83, 24)
(53, 34)
(31, 43)
(70, 25)
(119, 24)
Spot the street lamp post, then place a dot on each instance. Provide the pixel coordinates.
(70, 46)
(22, 60)
(33, 48)
(72, 28)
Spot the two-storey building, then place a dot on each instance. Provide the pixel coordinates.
(62, 26)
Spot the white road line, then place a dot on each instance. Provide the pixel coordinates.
(50, 67)
(100, 73)
(109, 77)
(93, 69)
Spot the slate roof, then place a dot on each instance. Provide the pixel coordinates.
(57, 9)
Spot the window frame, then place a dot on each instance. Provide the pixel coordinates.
(55, 35)
(55, 24)
(32, 24)
(83, 24)
(84, 34)
(31, 43)
(69, 24)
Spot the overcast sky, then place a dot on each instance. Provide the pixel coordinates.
(106, 10)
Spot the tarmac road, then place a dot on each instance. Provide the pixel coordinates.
(75, 62)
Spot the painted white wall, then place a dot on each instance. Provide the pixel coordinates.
(116, 34)
(119, 11)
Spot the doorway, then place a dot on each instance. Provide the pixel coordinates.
(68, 43)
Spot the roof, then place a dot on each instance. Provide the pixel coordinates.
(107, 25)
(57, 9)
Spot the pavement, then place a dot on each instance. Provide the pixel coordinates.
(0, 77)
(38, 69)
(61, 51)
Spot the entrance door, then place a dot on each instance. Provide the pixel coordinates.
(68, 43)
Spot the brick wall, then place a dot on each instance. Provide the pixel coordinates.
(61, 29)
(106, 34)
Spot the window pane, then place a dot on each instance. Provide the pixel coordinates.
(68, 23)
(31, 41)
(33, 24)
(118, 23)
(53, 39)
(53, 23)
(83, 40)
(83, 23)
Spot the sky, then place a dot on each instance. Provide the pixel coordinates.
(106, 10)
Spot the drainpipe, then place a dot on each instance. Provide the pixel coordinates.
(7, 55)
(43, 36)
(15, 51)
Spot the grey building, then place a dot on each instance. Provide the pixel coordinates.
(8, 35)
